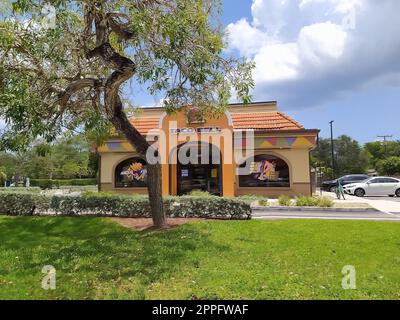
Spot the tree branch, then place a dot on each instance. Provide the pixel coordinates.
(76, 86)
(122, 30)
(124, 68)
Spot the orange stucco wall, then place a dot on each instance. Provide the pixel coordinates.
(179, 120)
(297, 158)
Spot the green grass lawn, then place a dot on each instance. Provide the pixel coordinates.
(97, 259)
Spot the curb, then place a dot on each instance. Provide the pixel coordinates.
(312, 209)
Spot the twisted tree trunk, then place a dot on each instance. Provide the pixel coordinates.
(154, 180)
(124, 69)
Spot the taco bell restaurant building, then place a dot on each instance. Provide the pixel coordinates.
(250, 150)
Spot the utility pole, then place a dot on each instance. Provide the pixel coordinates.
(385, 137)
(333, 150)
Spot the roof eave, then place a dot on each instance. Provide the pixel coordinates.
(269, 131)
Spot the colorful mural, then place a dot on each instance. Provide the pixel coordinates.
(135, 171)
(131, 173)
(266, 171)
(259, 143)
(116, 146)
(279, 142)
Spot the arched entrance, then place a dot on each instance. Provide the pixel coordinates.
(198, 168)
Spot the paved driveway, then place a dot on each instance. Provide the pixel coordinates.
(383, 204)
(395, 199)
(367, 216)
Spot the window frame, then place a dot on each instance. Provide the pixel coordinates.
(390, 180)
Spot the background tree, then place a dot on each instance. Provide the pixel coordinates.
(350, 157)
(65, 158)
(74, 74)
(379, 151)
(9, 164)
(321, 158)
(389, 166)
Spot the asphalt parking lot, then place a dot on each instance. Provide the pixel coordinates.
(385, 204)
(395, 199)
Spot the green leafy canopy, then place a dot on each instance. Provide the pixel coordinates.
(49, 85)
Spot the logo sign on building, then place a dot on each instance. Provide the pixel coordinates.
(198, 130)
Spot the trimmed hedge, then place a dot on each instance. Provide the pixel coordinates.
(122, 206)
(207, 207)
(21, 189)
(23, 203)
(101, 205)
(56, 183)
(89, 188)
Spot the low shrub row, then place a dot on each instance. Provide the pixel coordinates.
(57, 183)
(285, 201)
(22, 204)
(252, 199)
(88, 188)
(305, 201)
(21, 189)
(207, 207)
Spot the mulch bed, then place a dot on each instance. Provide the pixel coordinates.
(147, 223)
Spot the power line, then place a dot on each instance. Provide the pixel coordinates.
(385, 138)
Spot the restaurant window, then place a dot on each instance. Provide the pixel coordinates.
(131, 173)
(266, 171)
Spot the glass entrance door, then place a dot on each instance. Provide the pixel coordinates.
(199, 177)
(192, 177)
(205, 174)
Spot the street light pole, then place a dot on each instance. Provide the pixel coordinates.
(332, 150)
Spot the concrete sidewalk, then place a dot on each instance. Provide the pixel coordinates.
(386, 206)
(324, 215)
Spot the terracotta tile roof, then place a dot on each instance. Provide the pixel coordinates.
(258, 121)
(264, 121)
(145, 124)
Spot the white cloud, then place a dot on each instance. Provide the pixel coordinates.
(277, 62)
(321, 42)
(339, 6)
(309, 51)
(247, 38)
(269, 15)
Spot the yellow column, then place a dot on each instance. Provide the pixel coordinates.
(228, 168)
(228, 179)
(165, 179)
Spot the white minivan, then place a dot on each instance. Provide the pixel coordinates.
(376, 186)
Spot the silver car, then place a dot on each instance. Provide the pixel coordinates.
(376, 186)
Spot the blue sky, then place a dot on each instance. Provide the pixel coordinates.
(324, 60)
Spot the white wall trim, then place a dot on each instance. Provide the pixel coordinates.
(229, 117)
(163, 116)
